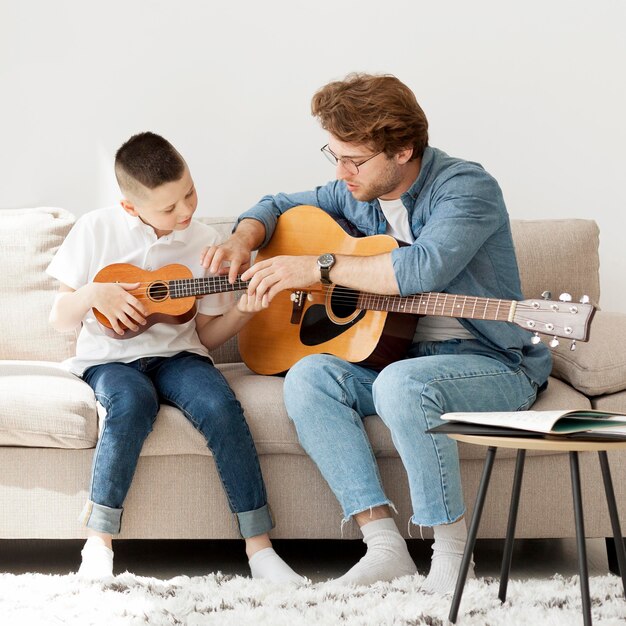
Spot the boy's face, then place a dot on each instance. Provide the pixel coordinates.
(166, 208)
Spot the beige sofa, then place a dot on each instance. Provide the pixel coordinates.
(49, 420)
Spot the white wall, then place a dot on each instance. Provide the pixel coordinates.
(535, 91)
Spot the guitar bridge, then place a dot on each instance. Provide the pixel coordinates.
(298, 298)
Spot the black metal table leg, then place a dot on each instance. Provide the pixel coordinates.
(580, 538)
(615, 525)
(510, 530)
(472, 532)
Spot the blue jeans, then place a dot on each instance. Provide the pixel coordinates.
(131, 393)
(327, 399)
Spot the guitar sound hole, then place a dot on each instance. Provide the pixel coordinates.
(343, 302)
(158, 291)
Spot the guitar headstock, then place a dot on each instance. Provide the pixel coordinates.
(558, 318)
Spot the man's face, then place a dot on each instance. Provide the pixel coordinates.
(379, 177)
(167, 207)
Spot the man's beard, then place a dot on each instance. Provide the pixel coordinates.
(390, 178)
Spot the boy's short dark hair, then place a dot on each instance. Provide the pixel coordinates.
(147, 159)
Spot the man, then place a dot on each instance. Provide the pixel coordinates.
(453, 214)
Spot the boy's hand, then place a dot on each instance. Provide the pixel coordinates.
(233, 250)
(116, 302)
(237, 249)
(251, 305)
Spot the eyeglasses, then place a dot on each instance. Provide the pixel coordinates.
(351, 165)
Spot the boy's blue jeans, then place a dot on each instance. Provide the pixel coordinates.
(327, 398)
(131, 394)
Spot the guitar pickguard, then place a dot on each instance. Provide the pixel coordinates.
(317, 328)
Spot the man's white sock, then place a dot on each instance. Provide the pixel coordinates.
(267, 564)
(387, 555)
(448, 551)
(97, 560)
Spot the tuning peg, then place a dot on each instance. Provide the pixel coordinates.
(585, 300)
(572, 346)
(546, 295)
(535, 339)
(309, 297)
(565, 297)
(554, 342)
(293, 296)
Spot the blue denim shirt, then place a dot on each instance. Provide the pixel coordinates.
(463, 245)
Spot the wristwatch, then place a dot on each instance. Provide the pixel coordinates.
(325, 262)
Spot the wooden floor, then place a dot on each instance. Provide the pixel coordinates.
(319, 560)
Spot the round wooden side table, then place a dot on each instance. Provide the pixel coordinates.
(573, 447)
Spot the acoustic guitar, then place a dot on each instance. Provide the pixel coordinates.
(366, 328)
(169, 293)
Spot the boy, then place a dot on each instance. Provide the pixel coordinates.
(166, 363)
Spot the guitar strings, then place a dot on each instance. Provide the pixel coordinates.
(346, 296)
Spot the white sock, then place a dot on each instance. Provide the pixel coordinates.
(267, 564)
(97, 559)
(387, 555)
(448, 551)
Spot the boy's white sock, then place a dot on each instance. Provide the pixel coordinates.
(387, 555)
(97, 559)
(448, 551)
(267, 564)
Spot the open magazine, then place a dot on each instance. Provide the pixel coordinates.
(580, 424)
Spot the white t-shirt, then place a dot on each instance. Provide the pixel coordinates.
(429, 327)
(110, 235)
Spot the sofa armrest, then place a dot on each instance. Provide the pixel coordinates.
(598, 366)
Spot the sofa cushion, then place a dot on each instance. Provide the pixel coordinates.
(272, 430)
(29, 239)
(558, 256)
(274, 433)
(598, 366)
(615, 402)
(262, 401)
(44, 406)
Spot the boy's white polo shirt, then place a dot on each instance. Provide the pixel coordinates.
(110, 235)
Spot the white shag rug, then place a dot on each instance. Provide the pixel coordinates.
(44, 600)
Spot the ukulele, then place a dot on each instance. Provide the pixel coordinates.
(366, 328)
(169, 293)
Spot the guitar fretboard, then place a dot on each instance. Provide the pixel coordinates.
(441, 304)
(183, 288)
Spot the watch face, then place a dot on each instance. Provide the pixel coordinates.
(326, 260)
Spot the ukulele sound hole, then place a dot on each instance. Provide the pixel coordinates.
(158, 291)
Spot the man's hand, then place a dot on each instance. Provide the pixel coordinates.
(116, 302)
(269, 277)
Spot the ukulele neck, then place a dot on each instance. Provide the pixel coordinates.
(183, 288)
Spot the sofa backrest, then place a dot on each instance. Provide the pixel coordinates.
(558, 256)
(554, 255)
(28, 240)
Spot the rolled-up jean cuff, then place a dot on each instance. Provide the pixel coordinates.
(253, 523)
(102, 518)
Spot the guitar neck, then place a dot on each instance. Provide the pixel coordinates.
(183, 288)
(442, 305)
